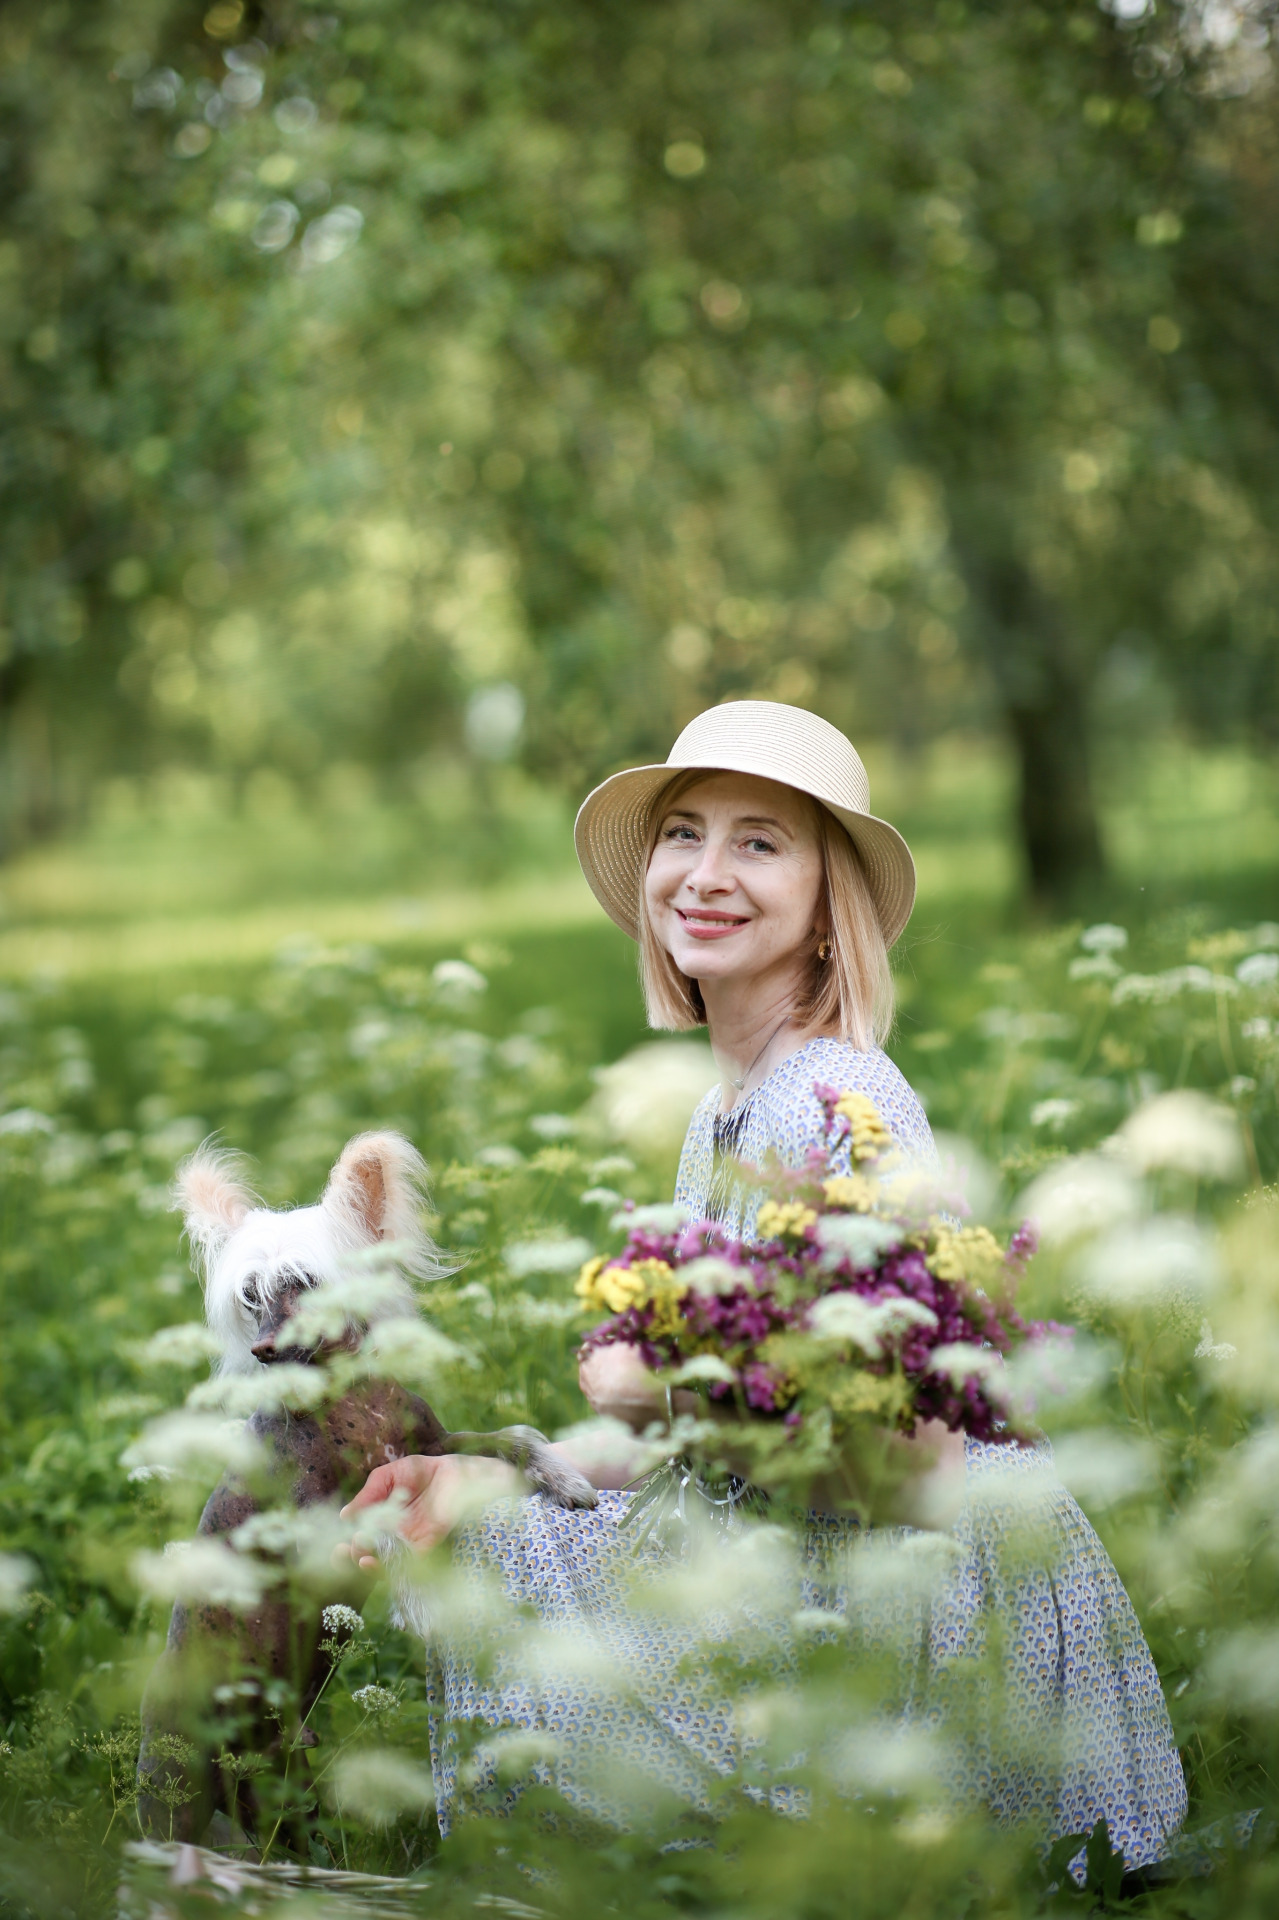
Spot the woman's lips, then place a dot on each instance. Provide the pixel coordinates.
(711, 926)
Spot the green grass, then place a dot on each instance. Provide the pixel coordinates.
(146, 1005)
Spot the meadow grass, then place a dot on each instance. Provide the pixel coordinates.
(286, 1031)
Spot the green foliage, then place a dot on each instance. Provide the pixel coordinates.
(364, 366)
(1041, 1055)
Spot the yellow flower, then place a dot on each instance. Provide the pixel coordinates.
(849, 1193)
(585, 1286)
(965, 1253)
(868, 1135)
(781, 1220)
(619, 1288)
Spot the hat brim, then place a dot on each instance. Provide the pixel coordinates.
(612, 829)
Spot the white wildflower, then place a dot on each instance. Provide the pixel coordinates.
(377, 1787)
(16, 1575)
(1136, 986)
(1258, 1029)
(561, 1255)
(704, 1367)
(208, 1571)
(1056, 1370)
(661, 1218)
(856, 1237)
(22, 1120)
(342, 1619)
(526, 1311)
(500, 1156)
(194, 1444)
(1186, 1131)
(1079, 1196)
(307, 1535)
(646, 1099)
(1165, 1262)
(1053, 1113)
(961, 1360)
(870, 1325)
(711, 1273)
(552, 1126)
(1210, 1349)
(1242, 1671)
(287, 1383)
(1101, 1467)
(185, 1345)
(1258, 970)
(1093, 966)
(889, 1760)
(376, 1700)
(361, 1294)
(601, 1197)
(612, 1166)
(409, 1351)
(458, 979)
(1105, 937)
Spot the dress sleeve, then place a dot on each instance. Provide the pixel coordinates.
(696, 1161)
(795, 1115)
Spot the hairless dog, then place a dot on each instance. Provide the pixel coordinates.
(233, 1687)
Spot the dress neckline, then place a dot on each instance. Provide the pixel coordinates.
(721, 1115)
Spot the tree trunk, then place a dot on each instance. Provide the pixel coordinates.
(1056, 812)
(1042, 681)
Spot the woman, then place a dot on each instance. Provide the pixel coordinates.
(764, 898)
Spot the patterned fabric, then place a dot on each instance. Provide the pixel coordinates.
(1063, 1723)
(782, 1116)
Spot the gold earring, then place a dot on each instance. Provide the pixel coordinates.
(823, 948)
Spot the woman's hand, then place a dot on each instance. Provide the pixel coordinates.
(616, 1382)
(441, 1490)
(918, 1482)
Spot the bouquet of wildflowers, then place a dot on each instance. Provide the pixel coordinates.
(857, 1312)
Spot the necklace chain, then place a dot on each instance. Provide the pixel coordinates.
(737, 1085)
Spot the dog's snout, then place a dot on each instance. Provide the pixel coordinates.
(273, 1342)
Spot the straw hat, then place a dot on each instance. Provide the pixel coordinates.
(774, 742)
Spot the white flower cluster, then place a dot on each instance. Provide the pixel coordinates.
(376, 1700)
(1159, 987)
(871, 1326)
(564, 1255)
(342, 1619)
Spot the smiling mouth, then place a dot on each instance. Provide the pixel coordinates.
(710, 926)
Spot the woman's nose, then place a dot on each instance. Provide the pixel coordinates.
(709, 872)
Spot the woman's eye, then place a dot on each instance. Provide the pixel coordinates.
(758, 844)
(684, 834)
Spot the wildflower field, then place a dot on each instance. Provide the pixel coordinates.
(1126, 1081)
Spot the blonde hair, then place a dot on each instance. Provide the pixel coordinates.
(850, 993)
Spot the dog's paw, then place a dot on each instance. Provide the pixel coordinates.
(559, 1481)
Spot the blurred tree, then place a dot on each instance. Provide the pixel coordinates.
(375, 366)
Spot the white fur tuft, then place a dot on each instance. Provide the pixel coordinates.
(247, 1252)
(376, 1192)
(213, 1197)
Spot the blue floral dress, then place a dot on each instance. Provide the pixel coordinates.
(597, 1684)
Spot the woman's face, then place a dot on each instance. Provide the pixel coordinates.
(735, 882)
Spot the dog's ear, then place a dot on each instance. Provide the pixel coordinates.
(376, 1188)
(212, 1197)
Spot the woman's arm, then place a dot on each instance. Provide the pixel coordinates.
(440, 1490)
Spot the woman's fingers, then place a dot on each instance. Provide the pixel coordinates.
(383, 1481)
(615, 1381)
(442, 1490)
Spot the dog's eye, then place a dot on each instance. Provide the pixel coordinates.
(250, 1295)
